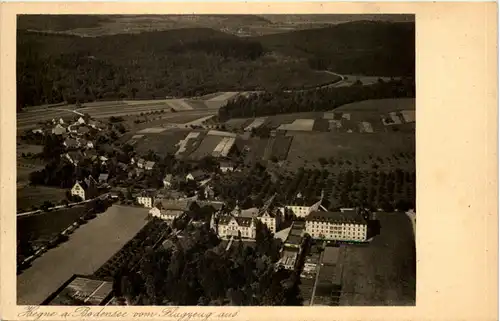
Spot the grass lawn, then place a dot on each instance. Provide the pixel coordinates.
(29, 196)
(384, 272)
(85, 251)
(162, 143)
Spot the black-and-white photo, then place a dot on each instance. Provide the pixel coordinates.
(216, 160)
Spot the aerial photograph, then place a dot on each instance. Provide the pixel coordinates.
(216, 160)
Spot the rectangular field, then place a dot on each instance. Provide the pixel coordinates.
(162, 144)
(29, 196)
(379, 105)
(206, 147)
(281, 146)
(153, 130)
(85, 251)
(383, 272)
(183, 144)
(257, 122)
(298, 125)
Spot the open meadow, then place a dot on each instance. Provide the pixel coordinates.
(384, 271)
(85, 251)
(29, 196)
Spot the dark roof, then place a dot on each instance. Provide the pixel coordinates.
(242, 221)
(83, 129)
(103, 177)
(198, 174)
(343, 217)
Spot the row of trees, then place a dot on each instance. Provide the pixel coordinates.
(272, 103)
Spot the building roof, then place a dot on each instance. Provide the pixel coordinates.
(75, 155)
(83, 130)
(348, 217)
(103, 177)
(197, 174)
(242, 221)
(226, 164)
(92, 291)
(149, 164)
(71, 142)
(168, 178)
(171, 204)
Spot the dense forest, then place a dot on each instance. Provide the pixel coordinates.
(52, 68)
(363, 48)
(272, 103)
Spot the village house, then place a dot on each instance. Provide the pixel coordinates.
(348, 225)
(71, 143)
(58, 130)
(74, 157)
(169, 209)
(37, 131)
(103, 178)
(85, 189)
(149, 165)
(103, 159)
(86, 143)
(146, 199)
(82, 130)
(81, 120)
(141, 162)
(196, 176)
(167, 181)
(226, 166)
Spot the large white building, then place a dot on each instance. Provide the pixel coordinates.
(267, 214)
(146, 199)
(168, 210)
(348, 225)
(229, 225)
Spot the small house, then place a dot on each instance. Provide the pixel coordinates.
(226, 166)
(141, 162)
(146, 199)
(82, 130)
(71, 143)
(196, 176)
(81, 120)
(103, 178)
(149, 165)
(167, 181)
(58, 130)
(85, 189)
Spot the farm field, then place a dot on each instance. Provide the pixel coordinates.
(27, 148)
(307, 148)
(85, 251)
(162, 144)
(383, 272)
(379, 105)
(206, 146)
(29, 196)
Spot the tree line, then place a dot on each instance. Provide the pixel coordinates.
(323, 99)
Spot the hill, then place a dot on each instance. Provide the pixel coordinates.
(185, 62)
(364, 47)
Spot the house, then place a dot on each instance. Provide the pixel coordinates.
(103, 159)
(103, 178)
(226, 166)
(141, 162)
(81, 120)
(71, 143)
(337, 226)
(228, 226)
(268, 214)
(197, 176)
(86, 143)
(169, 209)
(74, 157)
(146, 199)
(61, 121)
(302, 209)
(167, 181)
(82, 130)
(58, 130)
(132, 160)
(85, 189)
(149, 165)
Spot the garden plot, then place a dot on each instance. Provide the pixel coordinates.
(408, 116)
(207, 146)
(152, 130)
(224, 147)
(183, 143)
(365, 127)
(298, 125)
(257, 122)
